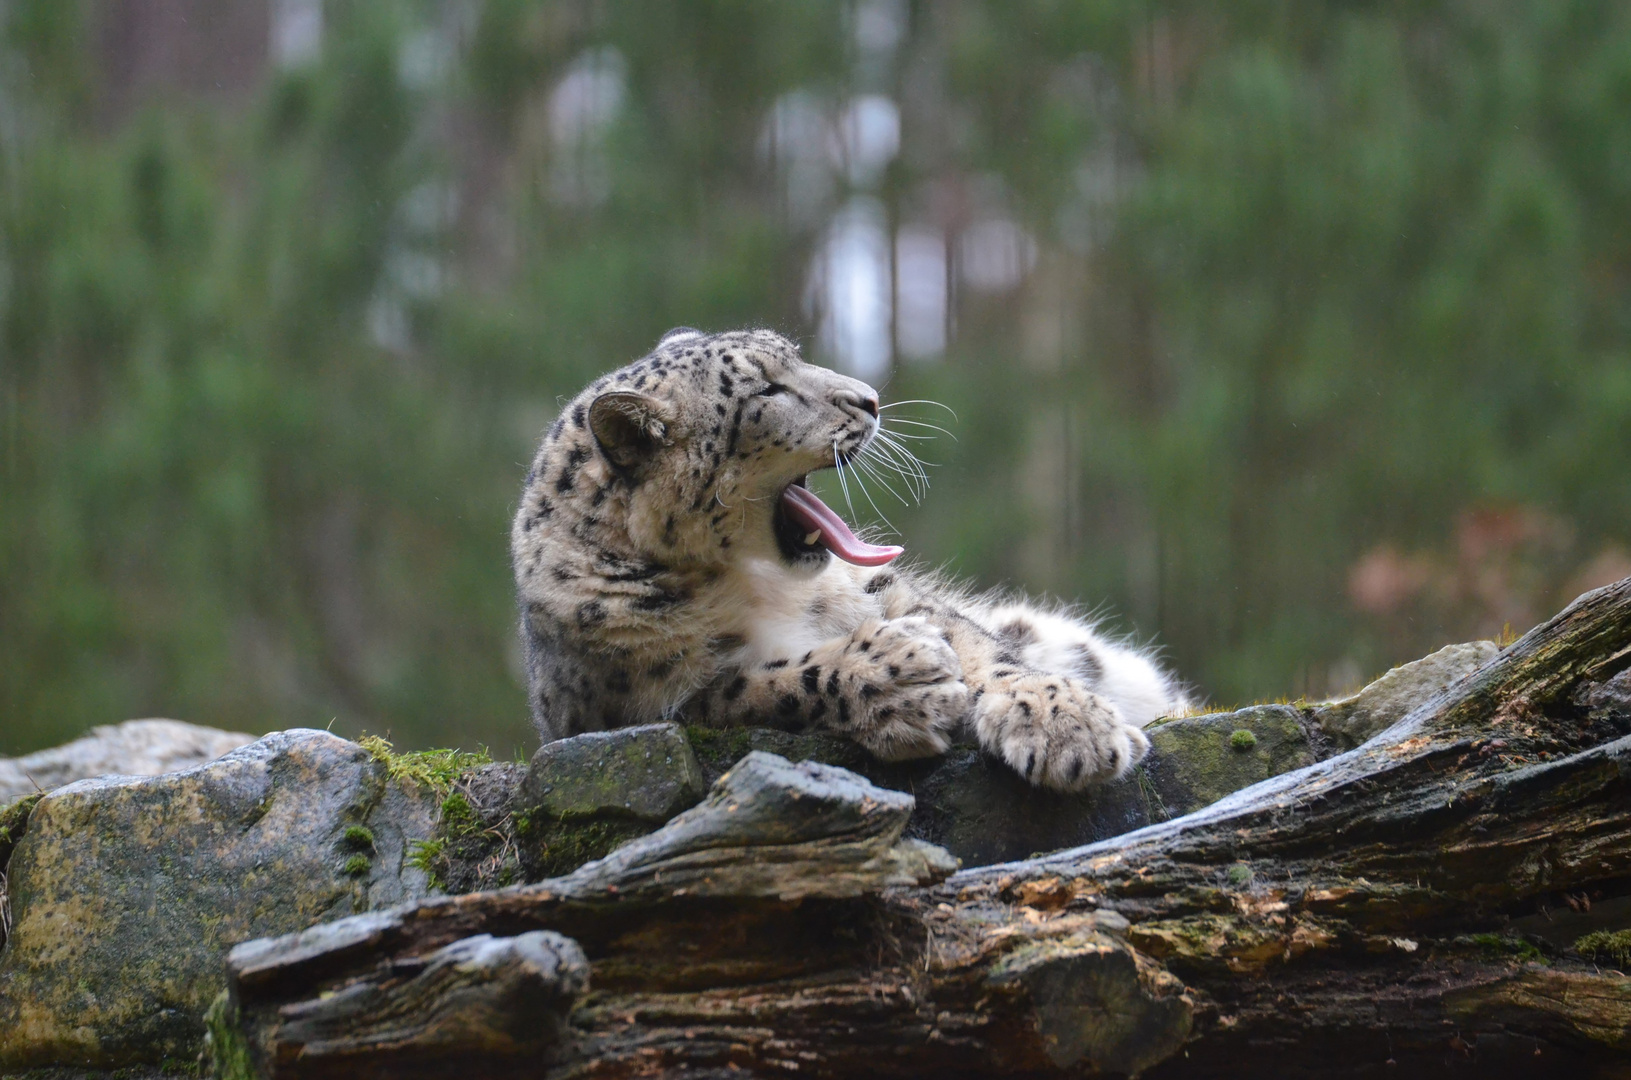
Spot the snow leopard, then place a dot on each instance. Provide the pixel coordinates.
(672, 563)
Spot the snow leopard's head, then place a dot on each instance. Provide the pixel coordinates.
(698, 454)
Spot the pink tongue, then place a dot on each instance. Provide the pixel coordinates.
(812, 515)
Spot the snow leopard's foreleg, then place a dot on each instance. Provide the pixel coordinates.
(893, 685)
(1043, 719)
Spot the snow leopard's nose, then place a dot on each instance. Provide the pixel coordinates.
(866, 401)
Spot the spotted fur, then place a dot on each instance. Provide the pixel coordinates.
(657, 581)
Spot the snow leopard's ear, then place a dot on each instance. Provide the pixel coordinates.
(629, 427)
(679, 334)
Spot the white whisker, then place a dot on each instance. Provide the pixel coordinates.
(889, 524)
(919, 401)
(889, 457)
(921, 424)
(871, 470)
(904, 452)
(843, 481)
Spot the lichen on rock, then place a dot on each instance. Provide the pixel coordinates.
(126, 891)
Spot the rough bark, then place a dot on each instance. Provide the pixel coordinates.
(1385, 910)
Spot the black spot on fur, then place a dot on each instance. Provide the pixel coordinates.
(591, 613)
(734, 690)
(725, 642)
(1024, 707)
(660, 599)
(787, 704)
(1076, 768)
(832, 684)
(1018, 631)
(894, 671)
(818, 710)
(1087, 663)
(736, 428)
(561, 573)
(774, 664)
(632, 571)
(812, 679)
(879, 583)
(843, 711)
(580, 415)
(1006, 657)
(818, 607)
(869, 691)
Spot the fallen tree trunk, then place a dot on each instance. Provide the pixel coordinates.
(1408, 904)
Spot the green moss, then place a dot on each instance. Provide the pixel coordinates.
(565, 847)
(435, 769)
(427, 855)
(358, 865)
(1504, 946)
(1614, 945)
(719, 746)
(14, 822)
(1239, 874)
(225, 1044)
(1241, 739)
(458, 816)
(358, 836)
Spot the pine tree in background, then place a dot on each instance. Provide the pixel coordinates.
(1295, 334)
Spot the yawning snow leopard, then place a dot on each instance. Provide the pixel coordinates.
(672, 564)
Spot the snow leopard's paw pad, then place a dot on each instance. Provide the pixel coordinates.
(1055, 732)
(901, 688)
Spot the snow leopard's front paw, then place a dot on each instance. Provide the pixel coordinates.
(1055, 732)
(900, 689)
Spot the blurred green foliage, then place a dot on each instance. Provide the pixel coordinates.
(1325, 356)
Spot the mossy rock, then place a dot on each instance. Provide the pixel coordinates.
(967, 802)
(1354, 720)
(127, 891)
(585, 796)
(1198, 760)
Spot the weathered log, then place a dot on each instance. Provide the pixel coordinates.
(1382, 910)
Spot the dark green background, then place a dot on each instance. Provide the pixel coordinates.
(1324, 359)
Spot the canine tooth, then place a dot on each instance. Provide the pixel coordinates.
(810, 540)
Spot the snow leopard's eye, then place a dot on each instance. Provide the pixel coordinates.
(772, 390)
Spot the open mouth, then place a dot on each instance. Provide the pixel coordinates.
(806, 526)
